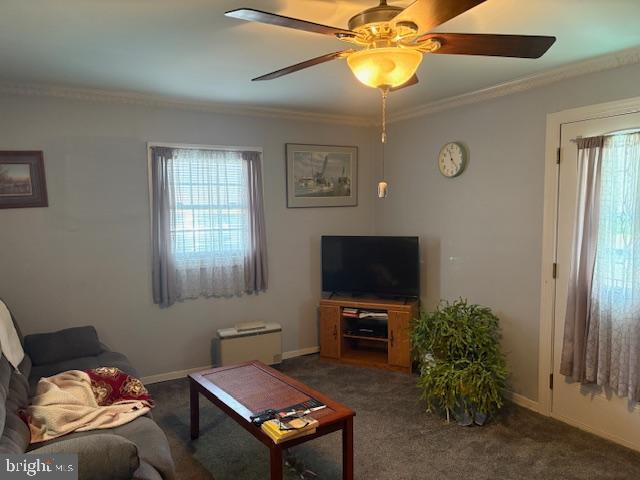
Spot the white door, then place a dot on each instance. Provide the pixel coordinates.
(587, 407)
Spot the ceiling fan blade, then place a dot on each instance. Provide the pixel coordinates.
(251, 15)
(412, 81)
(428, 14)
(519, 46)
(301, 66)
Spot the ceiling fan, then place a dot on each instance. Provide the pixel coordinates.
(392, 40)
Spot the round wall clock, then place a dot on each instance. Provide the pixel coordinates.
(452, 159)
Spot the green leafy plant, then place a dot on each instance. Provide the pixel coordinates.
(461, 365)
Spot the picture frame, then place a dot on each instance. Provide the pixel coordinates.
(321, 176)
(22, 179)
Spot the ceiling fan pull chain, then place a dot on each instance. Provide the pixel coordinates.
(382, 185)
(385, 94)
(383, 161)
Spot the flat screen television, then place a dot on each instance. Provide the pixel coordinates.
(382, 266)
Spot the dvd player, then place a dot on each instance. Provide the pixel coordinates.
(367, 327)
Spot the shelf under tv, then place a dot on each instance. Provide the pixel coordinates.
(392, 352)
(364, 337)
(366, 356)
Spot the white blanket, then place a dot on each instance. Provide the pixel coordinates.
(67, 403)
(10, 345)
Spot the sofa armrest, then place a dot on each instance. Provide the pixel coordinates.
(67, 344)
(100, 456)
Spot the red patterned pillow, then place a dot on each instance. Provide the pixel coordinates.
(111, 385)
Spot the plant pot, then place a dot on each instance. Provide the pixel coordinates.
(480, 418)
(467, 417)
(462, 417)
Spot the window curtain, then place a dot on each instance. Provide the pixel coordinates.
(576, 323)
(602, 325)
(208, 224)
(255, 266)
(164, 279)
(613, 330)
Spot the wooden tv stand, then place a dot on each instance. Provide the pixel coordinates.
(392, 352)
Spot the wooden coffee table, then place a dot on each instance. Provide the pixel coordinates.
(248, 388)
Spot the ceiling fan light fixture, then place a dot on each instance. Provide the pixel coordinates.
(384, 67)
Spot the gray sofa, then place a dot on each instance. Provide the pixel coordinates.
(138, 450)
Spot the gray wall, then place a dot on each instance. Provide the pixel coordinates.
(481, 233)
(85, 259)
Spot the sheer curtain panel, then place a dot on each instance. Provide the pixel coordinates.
(585, 233)
(209, 232)
(613, 333)
(602, 326)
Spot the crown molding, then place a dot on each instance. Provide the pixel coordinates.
(148, 100)
(598, 64)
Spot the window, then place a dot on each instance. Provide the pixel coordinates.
(208, 223)
(210, 218)
(617, 266)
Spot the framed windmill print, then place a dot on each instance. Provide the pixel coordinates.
(321, 176)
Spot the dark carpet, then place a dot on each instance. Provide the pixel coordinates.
(394, 437)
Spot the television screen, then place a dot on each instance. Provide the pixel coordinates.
(385, 266)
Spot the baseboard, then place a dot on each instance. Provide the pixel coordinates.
(535, 406)
(599, 433)
(164, 377)
(300, 353)
(522, 401)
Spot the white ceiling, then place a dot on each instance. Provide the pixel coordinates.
(189, 49)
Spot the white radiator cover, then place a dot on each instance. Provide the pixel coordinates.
(250, 341)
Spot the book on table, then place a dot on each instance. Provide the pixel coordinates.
(281, 431)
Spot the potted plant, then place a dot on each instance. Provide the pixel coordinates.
(462, 370)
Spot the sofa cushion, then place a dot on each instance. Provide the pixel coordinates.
(100, 456)
(103, 359)
(15, 436)
(153, 448)
(77, 342)
(146, 472)
(25, 366)
(5, 379)
(15, 432)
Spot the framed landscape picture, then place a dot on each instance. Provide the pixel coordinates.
(22, 180)
(321, 176)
